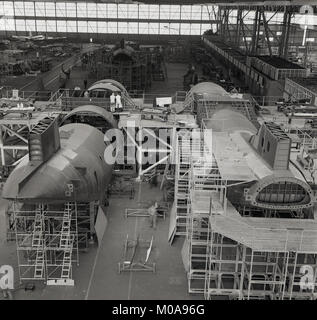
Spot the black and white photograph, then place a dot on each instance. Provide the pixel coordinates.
(158, 155)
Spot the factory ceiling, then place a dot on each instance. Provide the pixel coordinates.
(228, 2)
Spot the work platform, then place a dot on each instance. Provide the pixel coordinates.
(263, 234)
(228, 254)
(237, 254)
(179, 121)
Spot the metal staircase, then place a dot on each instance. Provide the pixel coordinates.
(188, 150)
(43, 140)
(198, 231)
(202, 185)
(182, 182)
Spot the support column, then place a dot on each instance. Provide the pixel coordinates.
(140, 153)
(250, 275)
(1, 147)
(255, 32)
(285, 32)
(227, 33)
(266, 31)
(238, 26)
(247, 47)
(92, 220)
(219, 23)
(242, 272)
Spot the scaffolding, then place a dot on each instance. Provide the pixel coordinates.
(181, 183)
(48, 241)
(188, 150)
(207, 106)
(260, 258)
(227, 255)
(238, 271)
(206, 197)
(134, 72)
(14, 132)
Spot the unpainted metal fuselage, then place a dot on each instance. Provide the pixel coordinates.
(76, 172)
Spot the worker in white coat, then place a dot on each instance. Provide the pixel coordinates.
(118, 103)
(112, 102)
(5, 286)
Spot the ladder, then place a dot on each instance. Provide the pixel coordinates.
(66, 241)
(181, 183)
(66, 246)
(67, 262)
(189, 101)
(198, 231)
(66, 224)
(37, 242)
(37, 237)
(39, 264)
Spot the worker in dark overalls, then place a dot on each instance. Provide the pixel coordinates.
(290, 116)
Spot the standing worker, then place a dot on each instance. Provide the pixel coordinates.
(5, 287)
(112, 102)
(118, 103)
(290, 116)
(85, 84)
(153, 215)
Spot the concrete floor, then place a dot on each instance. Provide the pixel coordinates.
(97, 275)
(169, 281)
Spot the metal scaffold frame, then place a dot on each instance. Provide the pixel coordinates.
(181, 184)
(239, 272)
(207, 193)
(240, 33)
(187, 150)
(141, 152)
(14, 132)
(207, 107)
(13, 141)
(47, 243)
(227, 257)
(205, 190)
(69, 99)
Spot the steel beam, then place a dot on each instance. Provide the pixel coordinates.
(285, 32)
(273, 3)
(238, 26)
(267, 37)
(255, 32)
